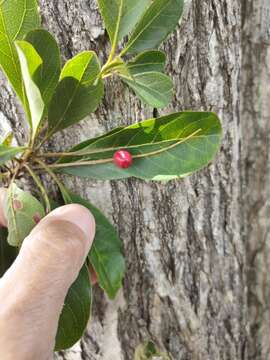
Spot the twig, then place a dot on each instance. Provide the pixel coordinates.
(41, 187)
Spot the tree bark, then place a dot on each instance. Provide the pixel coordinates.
(196, 249)
(255, 111)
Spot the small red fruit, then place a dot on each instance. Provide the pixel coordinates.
(122, 159)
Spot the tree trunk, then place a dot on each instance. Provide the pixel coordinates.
(196, 249)
(255, 117)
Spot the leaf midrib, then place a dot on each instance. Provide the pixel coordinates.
(9, 151)
(149, 120)
(71, 99)
(150, 90)
(143, 29)
(9, 42)
(101, 150)
(111, 289)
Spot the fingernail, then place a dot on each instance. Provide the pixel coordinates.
(78, 215)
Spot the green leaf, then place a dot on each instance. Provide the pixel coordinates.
(120, 16)
(7, 253)
(144, 74)
(153, 88)
(7, 139)
(76, 312)
(158, 22)
(8, 153)
(78, 93)
(47, 75)
(147, 61)
(16, 19)
(86, 143)
(149, 351)
(166, 148)
(30, 62)
(106, 252)
(23, 212)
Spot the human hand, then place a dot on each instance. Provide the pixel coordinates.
(33, 290)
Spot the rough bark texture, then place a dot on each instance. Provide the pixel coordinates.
(196, 249)
(256, 172)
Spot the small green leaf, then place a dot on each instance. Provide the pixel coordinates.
(166, 148)
(120, 16)
(106, 252)
(47, 75)
(7, 139)
(78, 93)
(153, 88)
(30, 63)
(8, 153)
(16, 19)
(23, 212)
(149, 351)
(7, 253)
(76, 312)
(158, 22)
(147, 61)
(144, 74)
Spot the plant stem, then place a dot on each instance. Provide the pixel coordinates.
(115, 40)
(61, 187)
(40, 186)
(97, 151)
(104, 161)
(111, 65)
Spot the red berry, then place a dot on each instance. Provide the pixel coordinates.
(122, 159)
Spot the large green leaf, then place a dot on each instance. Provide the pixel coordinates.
(106, 252)
(17, 17)
(120, 16)
(147, 61)
(23, 212)
(8, 153)
(166, 148)
(158, 21)
(76, 312)
(47, 75)
(78, 93)
(30, 63)
(7, 253)
(153, 88)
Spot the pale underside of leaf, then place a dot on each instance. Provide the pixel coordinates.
(21, 211)
(30, 61)
(47, 76)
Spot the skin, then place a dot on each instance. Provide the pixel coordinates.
(33, 290)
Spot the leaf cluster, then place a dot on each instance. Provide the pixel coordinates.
(55, 97)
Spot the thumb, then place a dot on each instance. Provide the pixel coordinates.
(34, 288)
